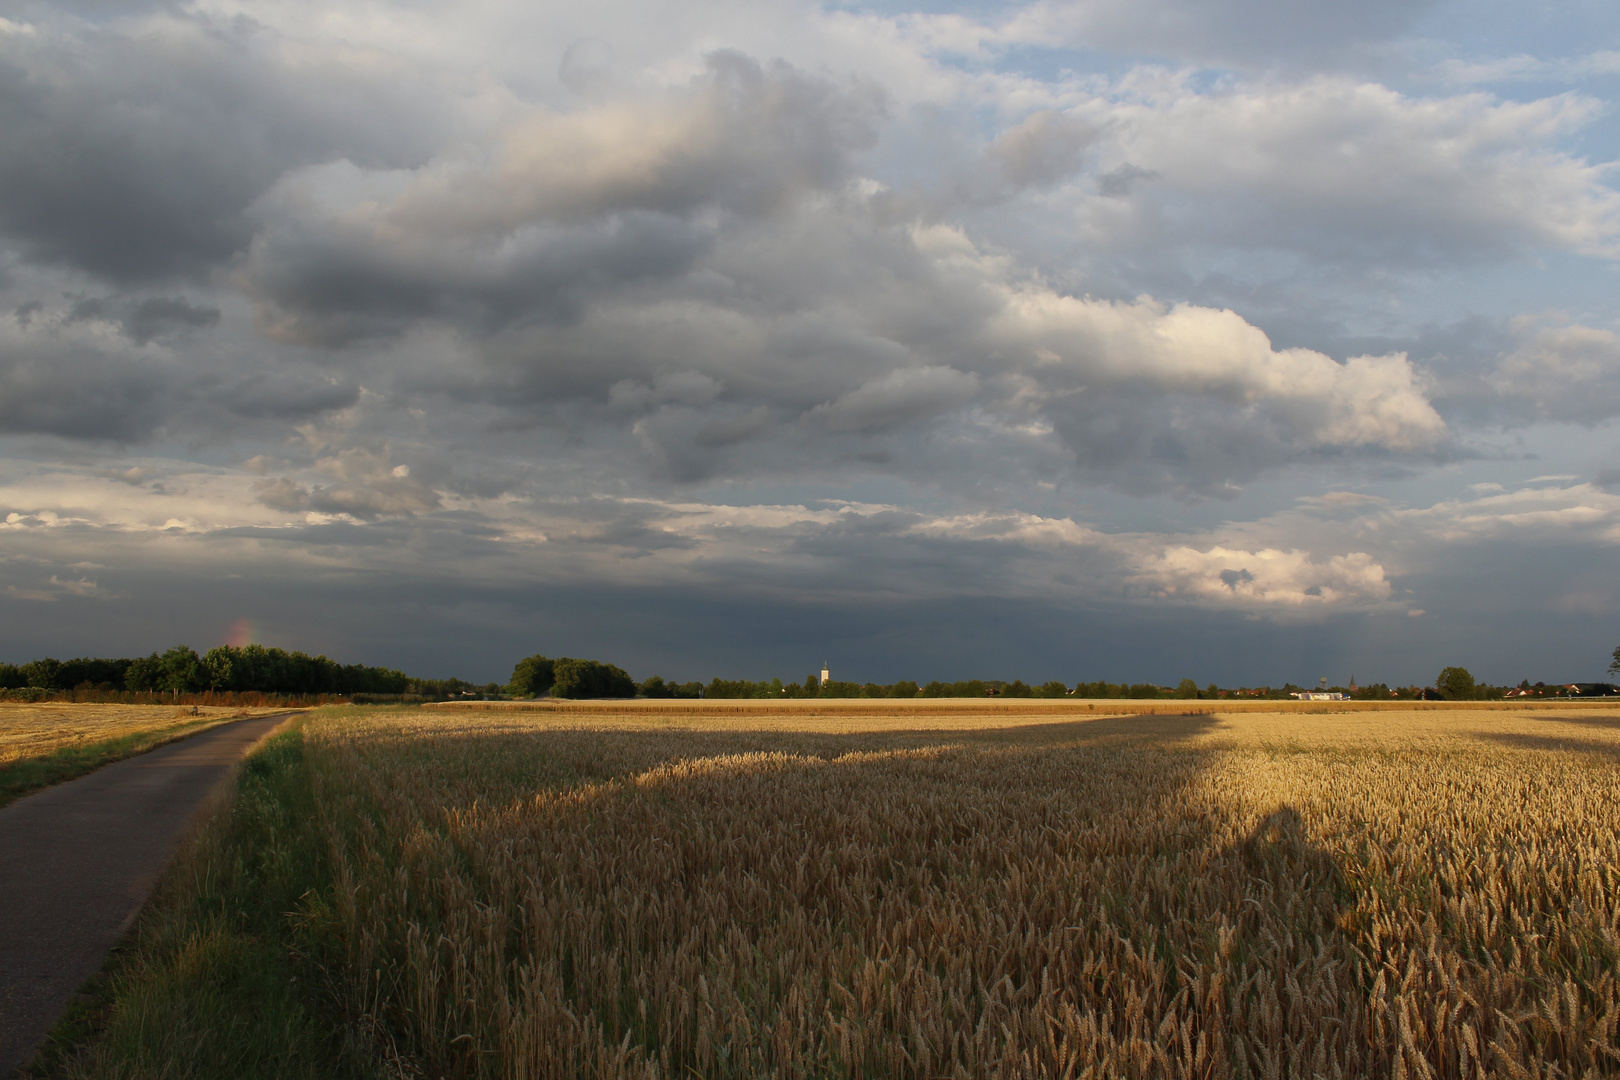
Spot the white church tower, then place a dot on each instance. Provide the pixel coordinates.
(825, 674)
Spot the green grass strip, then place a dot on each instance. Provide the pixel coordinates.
(221, 977)
(28, 775)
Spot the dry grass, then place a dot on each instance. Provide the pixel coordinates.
(624, 892)
(28, 731)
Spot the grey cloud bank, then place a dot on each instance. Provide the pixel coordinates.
(742, 334)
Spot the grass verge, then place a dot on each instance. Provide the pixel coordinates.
(220, 977)
(28, 775)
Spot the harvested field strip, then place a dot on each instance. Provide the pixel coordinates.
(41, 745)
(36, 730)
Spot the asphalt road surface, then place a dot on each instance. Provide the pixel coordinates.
(77, 861)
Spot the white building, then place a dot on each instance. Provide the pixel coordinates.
(825, 674)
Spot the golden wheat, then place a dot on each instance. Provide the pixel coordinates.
(28, 731)
(613, 894)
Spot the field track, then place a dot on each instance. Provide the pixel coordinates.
(77, 861)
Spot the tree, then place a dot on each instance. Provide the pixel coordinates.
(145, 672)
(43, 673)
(1455, 684)
(180, 669)
(1186, 688)
(1614, 665)
(590, 679)
(216, 664)
(534, 676)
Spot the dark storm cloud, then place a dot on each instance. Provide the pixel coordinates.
(686, 444)
(572, 206)
(114, 407)
(319, 287)
(143, 320)
(161, 315)
(78, 390)
(858, 592)
(110, 163)
(289, 397)
(900, 398)
(122, 369)
(131, 149)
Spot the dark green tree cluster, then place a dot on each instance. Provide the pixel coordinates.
(179, 669)
(1120, 690)
(738, 688)
(961, 688)
(835, 688)
(656, 687)
(532, 677)
(252, 668)
(277, 671)
(84, 673)
(1375, 692)
(590, 679)
(992, 688)
(1456, 684)
(567, 677)
(905, 688)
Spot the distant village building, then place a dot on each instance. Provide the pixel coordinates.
(825, 674)
(1321, 695)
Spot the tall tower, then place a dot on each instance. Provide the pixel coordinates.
(825, 674)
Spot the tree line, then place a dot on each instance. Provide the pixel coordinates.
(225, 669)
(539, 676)
(266, 669)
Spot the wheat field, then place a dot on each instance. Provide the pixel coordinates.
(624, 893)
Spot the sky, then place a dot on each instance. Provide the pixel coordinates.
(1245, 341)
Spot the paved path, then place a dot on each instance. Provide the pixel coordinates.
(77, 861)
